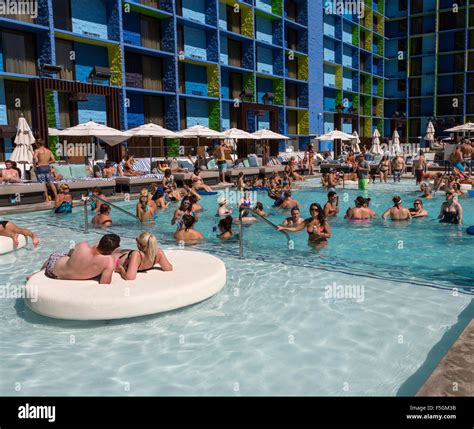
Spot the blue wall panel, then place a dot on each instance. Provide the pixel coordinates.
(131, 28)
(197, 111)
(135, 113)
(89, 17)
(88, 56)
(3, 107)
(196, 79)
(94, 108)
(264, 60)
(315, 43)
(195, 45)
(195, 10)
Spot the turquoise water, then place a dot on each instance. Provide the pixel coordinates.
(273, 330)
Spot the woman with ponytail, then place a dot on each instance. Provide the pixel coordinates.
(225, 228)
(145, 258)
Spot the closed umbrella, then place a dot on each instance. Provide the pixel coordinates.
(430, 134)
(266, 135)
(376, 149)
(53, 132)
(23, 152)
(355, 142)
(396, 148)
(150, 130)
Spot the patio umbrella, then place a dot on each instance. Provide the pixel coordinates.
(23, 152)
(198, 132)
(53, 132)
(355, 142)
(376, 149)
(150, 130)
(396, 148)
(430, 134)
(267, 135)
(111, 136)
(336, 135)
(234, 134)
(461, 128)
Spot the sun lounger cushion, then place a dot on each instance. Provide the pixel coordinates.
(253, 161)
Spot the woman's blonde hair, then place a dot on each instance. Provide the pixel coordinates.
(149, 244)
(144, 192)
(63, 187)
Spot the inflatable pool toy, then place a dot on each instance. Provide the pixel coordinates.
(152, 292)
(470, 193)
(470, 230)
(6, 244)
(207, 193)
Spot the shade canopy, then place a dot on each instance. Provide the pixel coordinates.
(236, 134)
(109, 135)
(336, 135)
(268, 135)
(198, 131)
(53, 132)
(461, 128)
(23, 152)
(150, 130)
(376, 149)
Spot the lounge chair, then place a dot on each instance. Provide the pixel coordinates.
(21, 194)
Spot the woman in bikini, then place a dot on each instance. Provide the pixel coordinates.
(144, 211)
(170, 187)
(331, 208)
(451, 210)
(186, 208)
(384, 169)
(144, 259)
(198, 182)
(103, 217)
(317, 227)
(63, 202)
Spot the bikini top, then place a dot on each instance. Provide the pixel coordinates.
(64, 207)
(127, 259)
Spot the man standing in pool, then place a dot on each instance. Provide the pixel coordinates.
(363, 170)
(85, 262)
(397, 212)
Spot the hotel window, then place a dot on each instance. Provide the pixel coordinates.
(68, 116)
(292, 121)
(415, 67)
(291, 10)
(151, 3)
(152, 73)
(180, 33)
(153, 109)
(235, 52)
(402, 45)
(292, 39)
(470, 82)
(402, 26)
(18, 52)
(64, 49)
(470, 104)
(62, 14)
(150, 32)
(402, 5)
(291, 95)
(29, 6)
(181, 78)
(417, 46)
(293, 68)
(15, 92)
(233, 20)
(179, 7)
(235, 85)
(402, 65)
(415, 87)
(402, 85)
(182, 114)
(415, 127)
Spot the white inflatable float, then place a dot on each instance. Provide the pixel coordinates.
(466, 187)
(6, 244)
(196, 276)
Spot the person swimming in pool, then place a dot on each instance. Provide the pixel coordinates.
(427, 191)
(159, 199)
(318, 229)
(170, 188)
(185, 208)
(451, 210)
(147, 256)
(85, 262)
(361, 211)
(418, 210)
(295, 219)
(259, 209)
(225, 228)
(95, 205)
(187, 233)
(397, 212)
(331, 208)
(11, 230)
(288, 201)
(223, 211)
(196, 207)
(103, 217)
(63, 202)
(144, 211)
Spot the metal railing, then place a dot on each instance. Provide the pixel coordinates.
(241, 230)
(87, 199)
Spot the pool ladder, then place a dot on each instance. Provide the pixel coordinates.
(241, 230)
(86, 213)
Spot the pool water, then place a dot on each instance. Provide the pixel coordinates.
(280, 326)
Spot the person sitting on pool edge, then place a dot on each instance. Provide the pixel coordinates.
(142, 260)
(84, 262)
(103, 217)
(318, 229)
(418, 210)
(186, 233)
(397, 212)
(63, 202)
(11, 230)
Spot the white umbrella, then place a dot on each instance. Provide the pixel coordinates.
(376, 149)
(111, 136)
(198, 132)
(336, 135)
(461, 128)
(396, 148)
(265, 134)
(355, 142)
(150, 130)
(23, 152)
(53, 132)
(430, 133)
(236, 134)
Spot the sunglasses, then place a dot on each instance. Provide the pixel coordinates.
(314, 210)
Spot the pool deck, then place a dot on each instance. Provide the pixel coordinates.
(454, 374)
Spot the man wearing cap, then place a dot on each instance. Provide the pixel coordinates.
(363, 170)
(223, 211)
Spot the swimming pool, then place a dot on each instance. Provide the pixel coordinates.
(280, 327)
